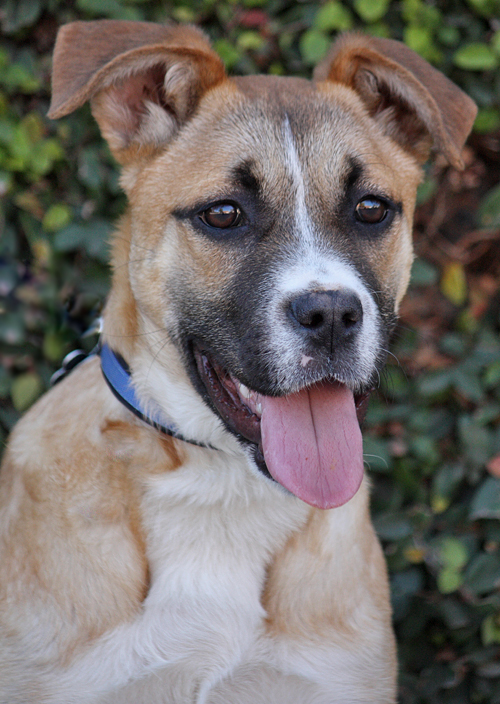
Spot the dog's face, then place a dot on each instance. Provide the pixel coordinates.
(281, 238)
(270, 238)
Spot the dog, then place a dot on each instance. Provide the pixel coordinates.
(185, 518)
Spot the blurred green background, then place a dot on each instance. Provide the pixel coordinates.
(433, 431)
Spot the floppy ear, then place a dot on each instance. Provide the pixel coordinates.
(144, 80)
(413, 102)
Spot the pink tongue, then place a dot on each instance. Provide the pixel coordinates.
(312, 444)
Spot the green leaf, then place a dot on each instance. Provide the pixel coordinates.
(11, 329)
(375, 454)
(91, 170)
(5, 382)
(425, 191)
(486, 500)
(421, 13)
(492, 375)
(425, 449)
(453, 344)
(487, 413)
(26, 388)
(449, 36)
(435, 383)
(33, 125)
(108, 8)
(489, 209)
(334, 16)
(486, 8)
(20, 149)
(476, 441)
(420, 38)
(18, 77)
(468, 384)
(250, 41)
(392, 526)
(92, 237)
(371, 10)
(6, 131)
(423, 273)
(444, 484)
(8, 278)
(4, 59)
(314, 45)
(483, 574)
(394, 383)
(454, 283)
(476, 57)
(453, 553)
(229, 54)
(454, 613)
(70, 238)
(495, 41)
(53, 347)
(183, 14)
(44, 155)
(487, 120)
(57, 216)
(18, 14)
(449, 580)
(490, 630)
(404, 586)
(9, 245)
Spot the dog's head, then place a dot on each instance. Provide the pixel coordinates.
(269, 229)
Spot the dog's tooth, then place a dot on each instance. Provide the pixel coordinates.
(244, 391)
(258, 408)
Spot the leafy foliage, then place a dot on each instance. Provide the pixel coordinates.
(433, 432)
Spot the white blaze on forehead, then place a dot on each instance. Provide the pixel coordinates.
(303, 222)
(311, 266)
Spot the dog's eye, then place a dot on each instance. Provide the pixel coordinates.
(222, 216)
(371, 210)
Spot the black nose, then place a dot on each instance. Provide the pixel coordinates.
(329, 318)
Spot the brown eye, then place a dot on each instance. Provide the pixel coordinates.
(371, 210)
(222, 216)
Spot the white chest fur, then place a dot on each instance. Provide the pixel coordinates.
(202, 635)
(208, 555)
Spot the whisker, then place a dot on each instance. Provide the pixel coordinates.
(138, 334)
(127, 262)
(388, 352)
(377, 457)
(116, 236)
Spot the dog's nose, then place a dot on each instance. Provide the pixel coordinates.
(328, 318)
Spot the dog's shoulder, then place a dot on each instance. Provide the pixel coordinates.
(66, 489)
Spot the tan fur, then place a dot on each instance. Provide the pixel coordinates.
(76, 501)
(311, 594)
(115, 538)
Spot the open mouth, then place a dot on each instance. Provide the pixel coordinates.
(239, 407)
(308, 441)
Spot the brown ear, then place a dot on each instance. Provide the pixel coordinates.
(416, 104)
(144, 79)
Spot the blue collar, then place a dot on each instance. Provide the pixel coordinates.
(117, 375)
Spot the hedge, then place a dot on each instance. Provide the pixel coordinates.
(433, 429)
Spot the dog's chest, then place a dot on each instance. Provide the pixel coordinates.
(204, 634)
(208, 560)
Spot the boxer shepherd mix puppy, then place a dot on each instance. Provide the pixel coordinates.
(184, 518)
